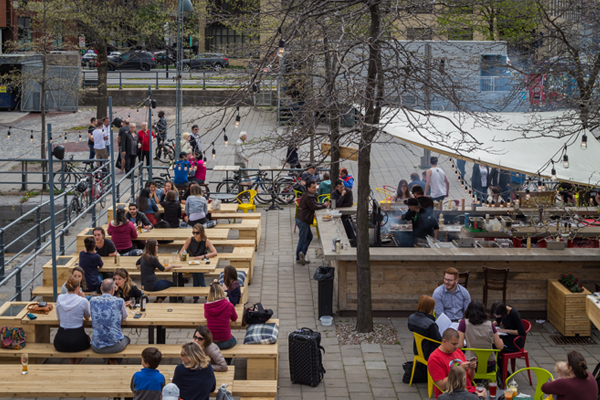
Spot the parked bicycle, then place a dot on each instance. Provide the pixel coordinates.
(80, 202)
(72, 173)
(166, 150)
(259, 182)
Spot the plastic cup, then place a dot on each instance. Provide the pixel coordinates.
(493, 386)
(508, 394)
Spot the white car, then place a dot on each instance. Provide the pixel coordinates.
(114, 54)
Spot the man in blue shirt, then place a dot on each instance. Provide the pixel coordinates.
(107, 313)
(414, 180)
(182, 168)
(451, 298)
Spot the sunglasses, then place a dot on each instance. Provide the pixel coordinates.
(198, 337)
(196, 233)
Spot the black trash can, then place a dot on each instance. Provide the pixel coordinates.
(325, 276)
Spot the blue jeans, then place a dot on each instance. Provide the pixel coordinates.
(227, 344)
(162, 285)
(460, 164)
(198, 278)
(438, 198)
(305, 236)
(92, 152)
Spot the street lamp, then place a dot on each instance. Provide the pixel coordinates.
(183, 6)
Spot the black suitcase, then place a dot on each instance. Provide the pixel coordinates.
(306, 364)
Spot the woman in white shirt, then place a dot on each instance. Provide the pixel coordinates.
(71, 309)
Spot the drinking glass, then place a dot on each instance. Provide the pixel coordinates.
(493, 386)
(166, 261)
(508, 394)
(24, 362)
(479, 389)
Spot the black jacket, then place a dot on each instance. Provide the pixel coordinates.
(424, 324)
(172, 212)
(342, 201)
(476, 178)
(500, 178)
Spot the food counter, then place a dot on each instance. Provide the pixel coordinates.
(399, 276)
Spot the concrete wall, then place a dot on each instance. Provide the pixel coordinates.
(166, 97)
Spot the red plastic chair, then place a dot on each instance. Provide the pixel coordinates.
(522, 353)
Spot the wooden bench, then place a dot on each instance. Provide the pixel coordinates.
(217, 243)
(225, 208)
(85, 380)
(248, 229)
(242, 216)
(262, 359)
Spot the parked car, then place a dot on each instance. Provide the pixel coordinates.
(206, 60)
(142, 60)
(164, 58)
(89, 60)
(114, 54)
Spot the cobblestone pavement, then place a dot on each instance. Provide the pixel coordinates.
(353, 372)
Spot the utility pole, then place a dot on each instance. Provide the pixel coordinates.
(427, 105)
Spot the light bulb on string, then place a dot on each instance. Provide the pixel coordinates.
(553, 172)
(80, 136)
(566, 161)
(237, 121)
(214, 154)
(9, 128)
(456, 172)
(65, 137)
(31, 138)
(584, 142)
(225, 137)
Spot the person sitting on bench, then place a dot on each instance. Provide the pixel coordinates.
(204, 338)
(91, 262)
(107, 313)
(71, 310)
(148, 263)
(198, 247)
(126, 288)
(123, 232)
(196, 206)
(218, 312)
(194, 376)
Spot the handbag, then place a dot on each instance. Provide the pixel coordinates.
(261, 334)
(36, 309)
(256, 315)
(12, 338)
(216, 204)
(223, 393)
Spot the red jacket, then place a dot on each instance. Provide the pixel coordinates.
(121, 235)
(218, 315)
(144, 140)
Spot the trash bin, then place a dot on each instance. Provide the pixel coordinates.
(325, 276)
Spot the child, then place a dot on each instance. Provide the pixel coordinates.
(562, 370)
(148, 383)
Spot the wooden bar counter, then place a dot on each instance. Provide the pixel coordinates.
(399, 276)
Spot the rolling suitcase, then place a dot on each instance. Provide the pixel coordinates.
(306, 364)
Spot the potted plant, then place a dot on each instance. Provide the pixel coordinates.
(566, 306)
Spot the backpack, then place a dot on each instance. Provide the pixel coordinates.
(12, 338)
(256, 315)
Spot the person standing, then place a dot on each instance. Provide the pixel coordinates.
(196, 141)
(121, 142)
(240, 159)
(437, 181)
(423, 222)
(129, 147)
(161, 131)
(99, 139)
(305, 217)
(414, 180)
(106, 128)
(91, 129)
(145, 135)
(480, 180)
(108, 312)
(292, 156)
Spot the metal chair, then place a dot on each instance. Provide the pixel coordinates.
(463, 278)
(420, 358)
(324, 197)
(494, 279)
(522, 353)
(542, 376)
(250, 204)
(483, 356)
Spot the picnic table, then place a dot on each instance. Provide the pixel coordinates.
(225, 208)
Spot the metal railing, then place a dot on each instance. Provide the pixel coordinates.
(64, 226)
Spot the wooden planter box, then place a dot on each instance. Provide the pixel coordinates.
(566, 310)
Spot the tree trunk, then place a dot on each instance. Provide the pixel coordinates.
(333, 114)
(373, 91)
(102, 97)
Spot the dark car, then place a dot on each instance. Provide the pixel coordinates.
(206, 60)
(89, 60)
(142, 60)
(164, 58)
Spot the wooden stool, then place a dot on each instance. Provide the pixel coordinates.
(494, 279)
(463, 279)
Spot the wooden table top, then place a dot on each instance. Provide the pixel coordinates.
(178, 233)
(181, 315)
(225, 208)
(88, 380)
(186, 266)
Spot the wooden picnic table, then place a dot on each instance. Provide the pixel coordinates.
(89, 380)
(225, 208)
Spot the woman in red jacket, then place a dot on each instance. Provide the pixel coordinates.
(144, 137)
(219, 313)
(122, 232)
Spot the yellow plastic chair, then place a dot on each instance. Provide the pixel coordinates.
(420, 358)
(246, 206)
(439, 388)
(324, 197)
(483, 356)
(386, 193)
(542, 376)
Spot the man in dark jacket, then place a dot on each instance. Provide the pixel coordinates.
(121, 141)
(305, 217)
(342, 195)
(129, 147)
(423, 222)
(137, 217)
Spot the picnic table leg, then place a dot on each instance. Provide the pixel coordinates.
(150, 335)
(176, 282)
(161, 335)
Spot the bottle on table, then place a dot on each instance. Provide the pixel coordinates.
(143, 301)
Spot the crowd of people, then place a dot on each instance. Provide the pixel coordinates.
(453, 371)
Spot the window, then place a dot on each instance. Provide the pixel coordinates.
(24, 33)
(419, 34)
(227, 41)
(460, 34)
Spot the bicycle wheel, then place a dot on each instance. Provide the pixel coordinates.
(228, 186)
(59, 177)
(286, 192)
(73, 210)
(264, 192)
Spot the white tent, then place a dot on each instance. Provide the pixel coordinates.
(521, 142)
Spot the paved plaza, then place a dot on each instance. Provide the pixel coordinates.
(368, 371)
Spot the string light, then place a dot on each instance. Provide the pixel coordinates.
(31, 137)
(214, 152)
(225, 137)
(80, 136)
(65, 137)
(237, 117)
(566, 161)
(553, 177)
(9, 128)
(584, 142)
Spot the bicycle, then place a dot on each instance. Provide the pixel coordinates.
(71, 172)
(97, 186)
(80, 202)
(258, 182)
(167, 148)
